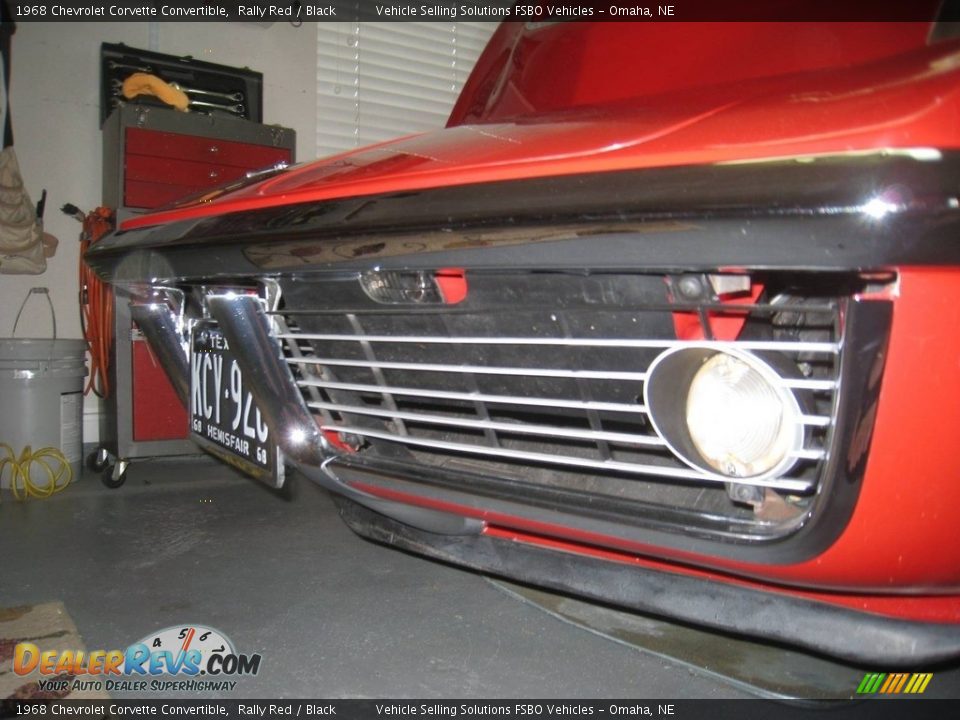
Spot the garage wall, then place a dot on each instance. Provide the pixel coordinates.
(380, 80)
(55, 95)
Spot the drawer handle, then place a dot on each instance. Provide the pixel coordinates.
(214, 149)
(213, 174)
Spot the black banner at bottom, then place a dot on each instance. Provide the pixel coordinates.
(874, 708)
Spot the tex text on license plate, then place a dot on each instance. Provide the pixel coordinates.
(224, 417)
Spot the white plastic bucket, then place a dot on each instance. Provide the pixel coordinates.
(41, 397)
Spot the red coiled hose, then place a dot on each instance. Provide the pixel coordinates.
(96, 303)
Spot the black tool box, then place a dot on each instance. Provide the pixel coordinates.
(213, 89)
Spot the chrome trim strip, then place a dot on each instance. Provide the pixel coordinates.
(521, 429)
(594, 220)
(803, 384)
(788, 484)
(666, 306)
(244, 323)
(808, 454)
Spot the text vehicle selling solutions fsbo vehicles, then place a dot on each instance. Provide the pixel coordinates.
(673, 330)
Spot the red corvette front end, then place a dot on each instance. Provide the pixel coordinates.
(681, 341)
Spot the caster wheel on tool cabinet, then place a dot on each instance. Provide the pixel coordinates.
(98, 460)
(114, 476)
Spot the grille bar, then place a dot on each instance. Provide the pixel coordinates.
(481, 397)
(814, 420)
(521, 428)
(785, 484)
(795, 383)
(761, 345)
(477, 369)
(542, 430)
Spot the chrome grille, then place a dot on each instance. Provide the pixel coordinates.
(440, 384)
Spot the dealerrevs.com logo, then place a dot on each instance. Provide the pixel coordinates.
(182, 657)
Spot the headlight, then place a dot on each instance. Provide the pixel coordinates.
(724, 412)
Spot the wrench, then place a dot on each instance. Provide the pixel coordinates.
(235, 109)
(116, 100)
(122, 66)
(232, 97)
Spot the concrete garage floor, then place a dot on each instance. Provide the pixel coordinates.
(333, 615)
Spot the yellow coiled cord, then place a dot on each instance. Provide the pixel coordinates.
(22, 480)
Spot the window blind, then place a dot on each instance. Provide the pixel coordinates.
(377, 81)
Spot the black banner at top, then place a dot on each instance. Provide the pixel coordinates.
(536, 11)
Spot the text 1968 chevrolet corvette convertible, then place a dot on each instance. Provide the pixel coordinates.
(666, 316)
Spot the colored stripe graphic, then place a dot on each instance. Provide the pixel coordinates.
(922, 680)
(868, 682)
(891, 681)
(901, 682)
(894, 683)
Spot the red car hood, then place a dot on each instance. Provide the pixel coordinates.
(909, 101)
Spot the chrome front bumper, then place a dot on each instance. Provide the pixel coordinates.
(244, 323)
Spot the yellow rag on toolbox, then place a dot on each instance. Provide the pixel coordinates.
(145, 84)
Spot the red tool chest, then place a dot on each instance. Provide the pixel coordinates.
(160, 167)
(152, 157)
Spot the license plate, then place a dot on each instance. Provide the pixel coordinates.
(224, 417)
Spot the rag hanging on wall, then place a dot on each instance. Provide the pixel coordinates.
(24, 247)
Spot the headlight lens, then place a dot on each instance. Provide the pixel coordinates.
(737, 419)
(724, 412)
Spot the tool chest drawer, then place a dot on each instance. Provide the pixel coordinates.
(158, 413)
(249, 156)
(155, 156)
(178, 172)
(141, 194)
